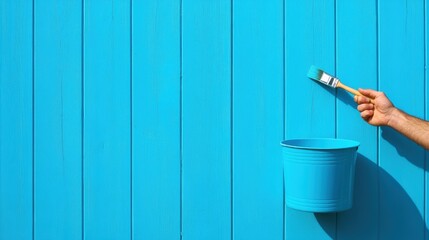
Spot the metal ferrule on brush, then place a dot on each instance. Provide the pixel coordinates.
(329, 80)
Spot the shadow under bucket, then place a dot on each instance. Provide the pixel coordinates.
(319, 173)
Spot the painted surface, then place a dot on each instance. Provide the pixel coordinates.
(162, 119)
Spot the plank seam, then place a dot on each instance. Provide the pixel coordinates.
(283, 110)
(283, 113)
(131, 120)
(32, 113)
(83, 118)
(181, 117)
(232, 120)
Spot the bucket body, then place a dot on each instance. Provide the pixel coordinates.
(319, 174)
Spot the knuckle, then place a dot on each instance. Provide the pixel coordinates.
(366, 113)
(362, 100)
(365, 106)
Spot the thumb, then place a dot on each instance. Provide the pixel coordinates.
(368, 93)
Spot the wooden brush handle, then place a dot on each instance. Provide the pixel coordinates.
(351, 90)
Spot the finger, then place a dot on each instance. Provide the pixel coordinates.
(362, 99)
(369, 93)
(367, 114)
(366, 106)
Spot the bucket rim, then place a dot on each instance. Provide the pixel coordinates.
(339, 143)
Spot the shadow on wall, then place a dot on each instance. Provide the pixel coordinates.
(395, 217)
(382, 209)
(404, 146)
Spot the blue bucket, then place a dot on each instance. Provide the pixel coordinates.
(319, 173)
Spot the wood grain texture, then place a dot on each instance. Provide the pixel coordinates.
(358, 68)
(16, 120)
(401, 56)
(58, 120)
(257, 119)
(206, 119)
(309, 106)
(156, 119)
(107, 134)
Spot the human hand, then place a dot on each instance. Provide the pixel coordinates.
(378, 113)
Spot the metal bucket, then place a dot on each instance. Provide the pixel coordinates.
(319, 173)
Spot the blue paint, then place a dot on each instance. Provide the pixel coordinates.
(16, 120)
(206, 120)
(58, 120)
(106, 115)
(156, 120)
(257, 105)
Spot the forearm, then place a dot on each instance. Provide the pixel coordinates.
(414, 128)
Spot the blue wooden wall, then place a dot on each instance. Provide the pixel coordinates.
(161, 119)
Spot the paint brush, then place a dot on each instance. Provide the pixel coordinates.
(323, 77)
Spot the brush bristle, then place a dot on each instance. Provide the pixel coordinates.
(314, 73)
(322, 77)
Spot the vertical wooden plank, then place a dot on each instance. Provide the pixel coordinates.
(309, 106)
(16, 120)
(58, 115)
(206, 119)
(357, 30)
(257, 119)
(156, 119)
(401, 35)
(310, 39)
(107, 180)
